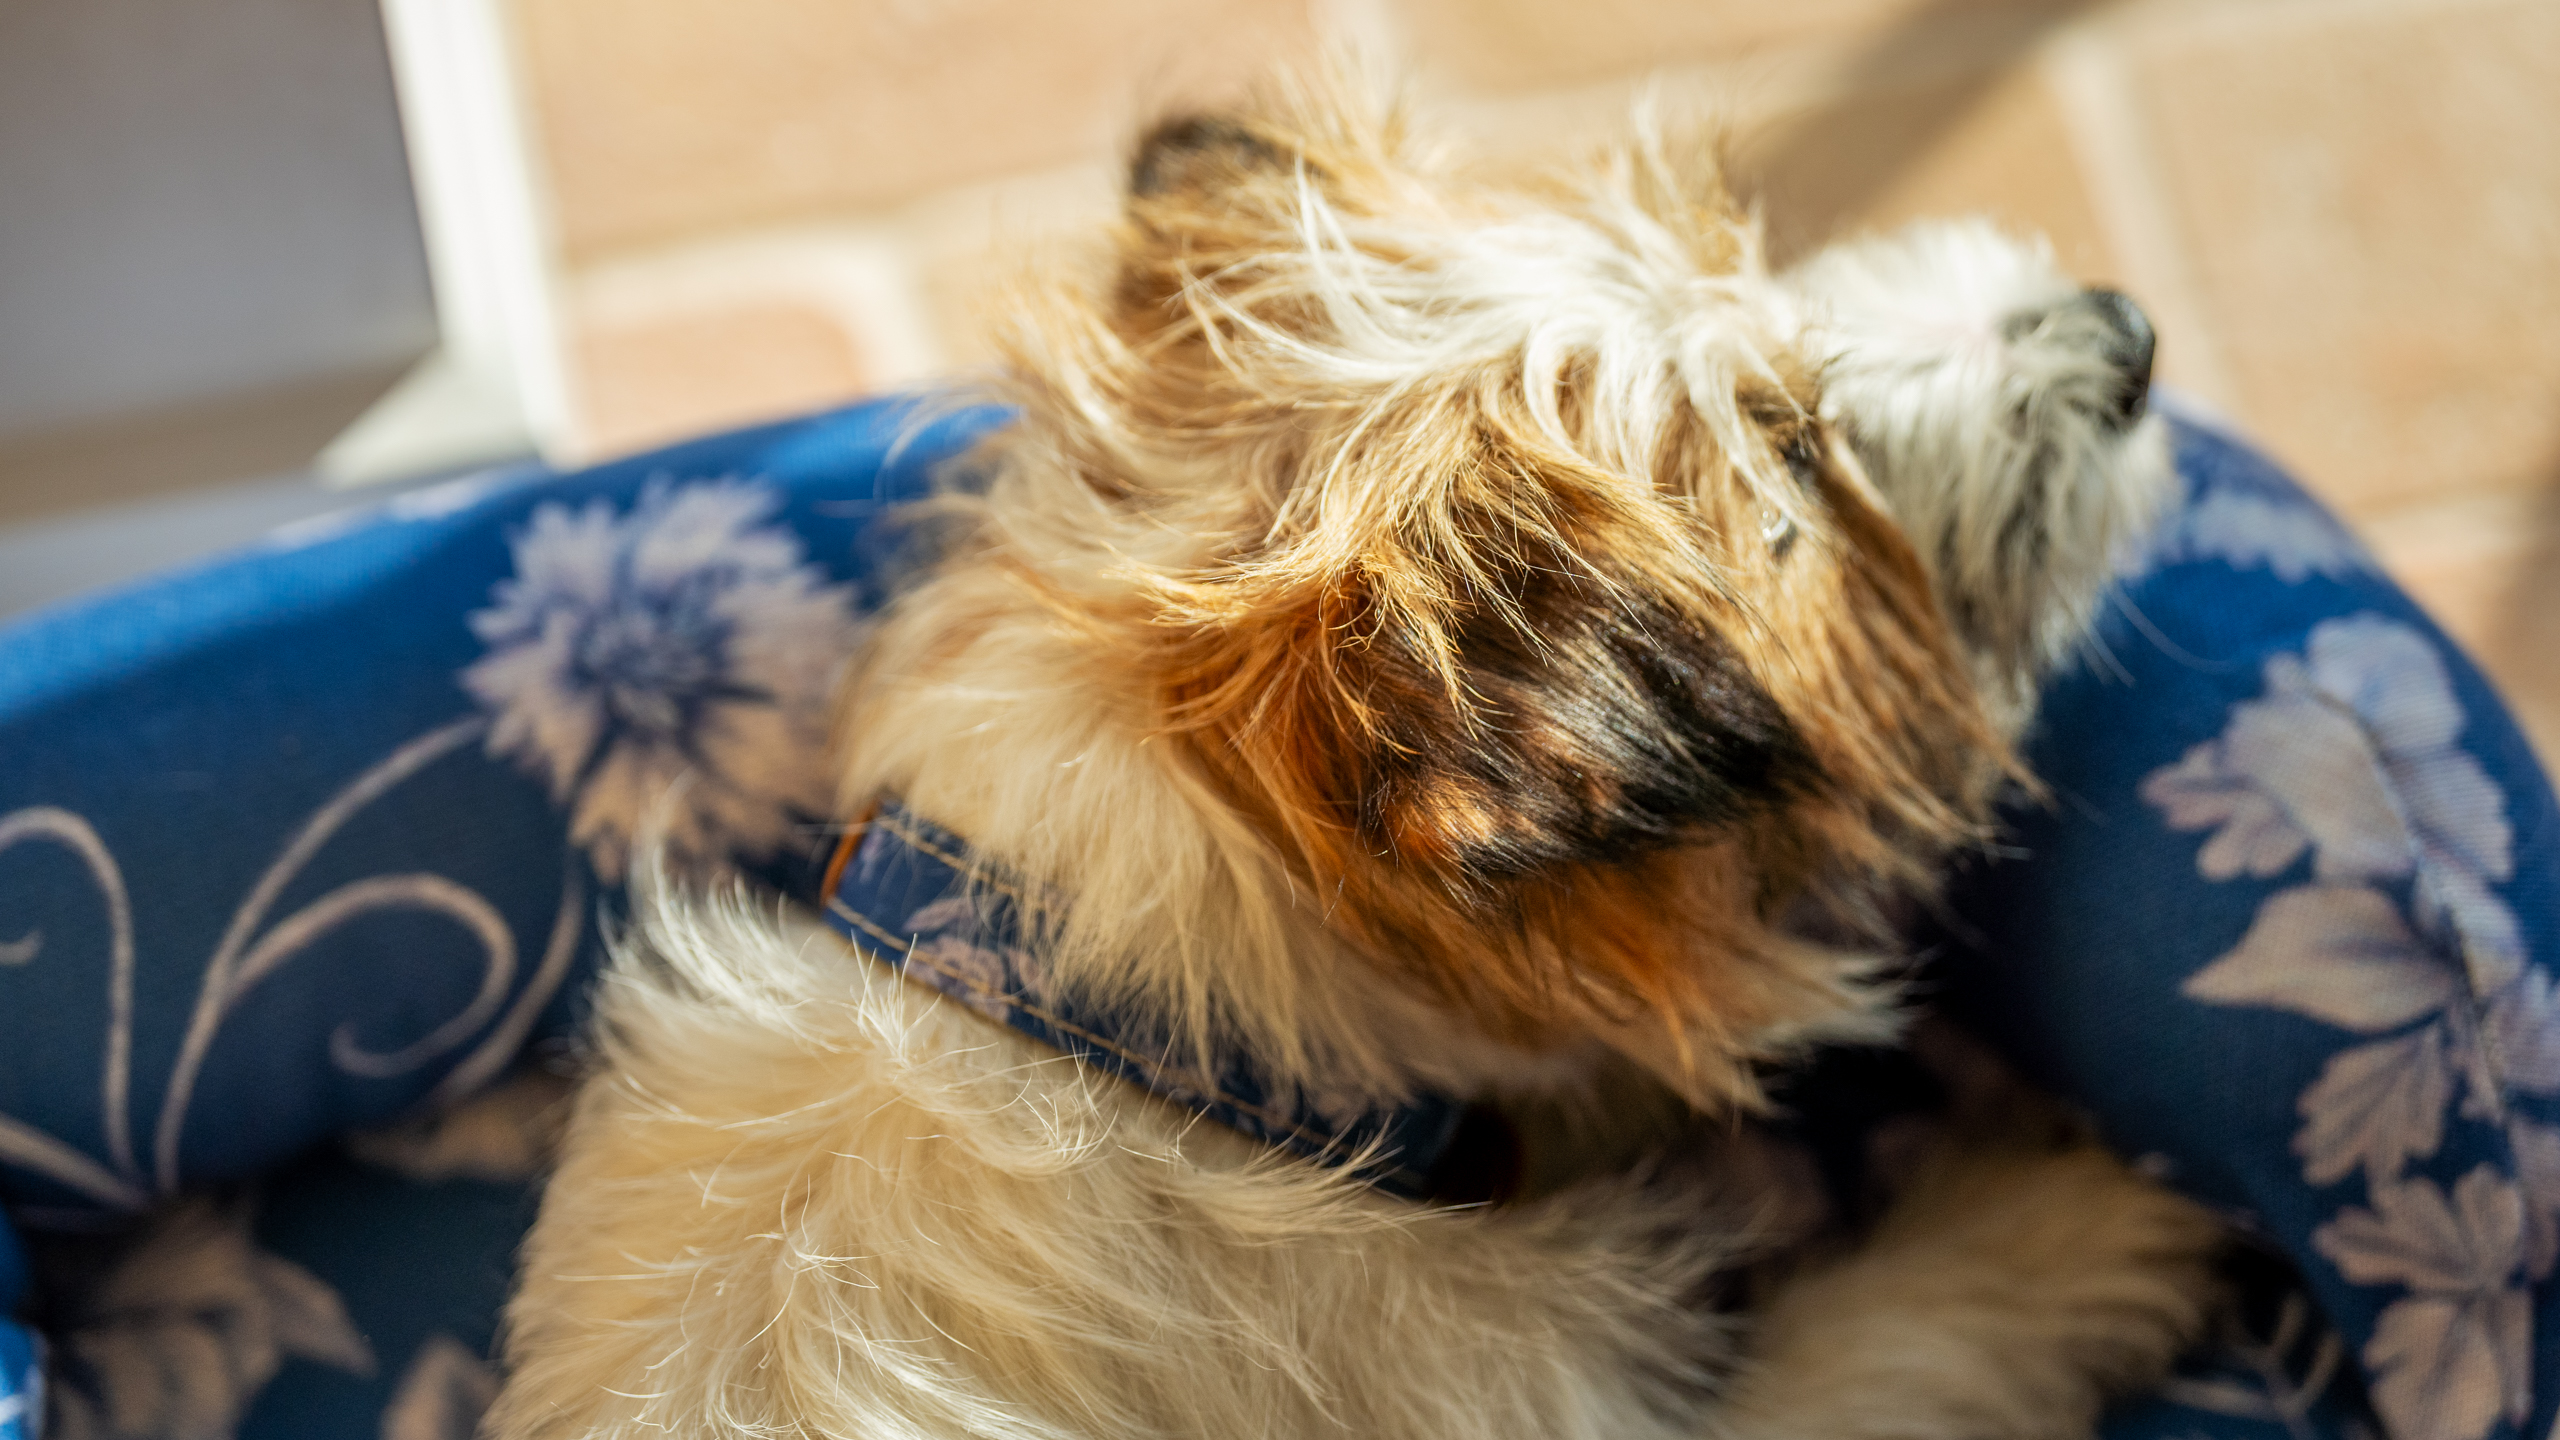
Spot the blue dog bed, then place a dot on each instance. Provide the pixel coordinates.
(318, 836)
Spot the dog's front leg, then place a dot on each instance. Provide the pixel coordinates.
(2010, 1291)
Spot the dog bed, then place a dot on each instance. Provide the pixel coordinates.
(327, 835)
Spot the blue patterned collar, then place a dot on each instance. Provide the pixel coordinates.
(901, 890)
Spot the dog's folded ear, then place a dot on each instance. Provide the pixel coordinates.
(1200, 154)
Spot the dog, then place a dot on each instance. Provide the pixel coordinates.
(1426, 638)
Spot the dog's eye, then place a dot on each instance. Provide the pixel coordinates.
(1803, 454)
(1779, 531)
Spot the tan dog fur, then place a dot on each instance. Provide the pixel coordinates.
(1429, 633)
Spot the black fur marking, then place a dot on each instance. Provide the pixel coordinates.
(1605, 725)
(1180, 152)
(1482, 1164)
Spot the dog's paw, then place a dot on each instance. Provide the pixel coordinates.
(2011, 1290)
(2083, 1257)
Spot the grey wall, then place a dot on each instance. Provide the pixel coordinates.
(197, 197)
(61, 556)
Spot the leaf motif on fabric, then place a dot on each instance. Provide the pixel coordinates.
(504, 1135)
(685, 641)
(311, 1322)
(442, 1395)
(2537, 1151)
(2340, 954)
(2460, 813)
(2450, 1367)
(2390, 675)
(2349, 751)
(188, 1324)
(2375, 1106)
(2412, 1236)
(2452, 1358)
(2289, 536)
(2350, 754)
(2278, 1375)
(2453, 903)
(2252, 834)
(2521, 1032)
(2312, 757)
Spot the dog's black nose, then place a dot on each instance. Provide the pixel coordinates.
(2128, 348)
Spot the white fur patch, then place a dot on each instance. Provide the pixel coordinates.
(1978, 399)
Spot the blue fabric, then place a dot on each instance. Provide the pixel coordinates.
(412, 745)
(21, 1383)
(908, 895)
(21, 1388)
(296, 841)
(2289, 926)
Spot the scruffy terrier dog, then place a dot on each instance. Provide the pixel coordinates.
(1427, 637)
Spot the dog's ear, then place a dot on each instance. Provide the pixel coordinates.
(1201, 154)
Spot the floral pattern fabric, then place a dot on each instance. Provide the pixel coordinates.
(2289, 931)
(2348, 766)
(678, 656)
(318, 839)
(324, 834)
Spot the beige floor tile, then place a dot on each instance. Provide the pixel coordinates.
(2370, 195)
(657, 119)
(1518, 44)
(1993, 144)
(2488, 568)
(648, 382)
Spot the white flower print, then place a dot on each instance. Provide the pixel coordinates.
(951, 949)
(442, 1395)
(2537, 1152)
(684, 641)
(2348, 759)
(506, 1134)
(2349, 752)
(2376, 1106)
(22, 1396)
(2373, 973)
(2453, 1357)
(2343, 955)
(964, 911)
(188, 1324)
(2250, 530)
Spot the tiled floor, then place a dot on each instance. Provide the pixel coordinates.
(2344, 214)
(795, 108)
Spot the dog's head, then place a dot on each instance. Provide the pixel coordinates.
(2001, 410)
(1491, 552)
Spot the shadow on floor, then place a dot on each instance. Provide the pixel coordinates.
(1816, 170)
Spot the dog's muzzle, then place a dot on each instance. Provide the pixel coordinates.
(2128, 348)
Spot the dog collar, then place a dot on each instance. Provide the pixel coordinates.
(905, 892)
